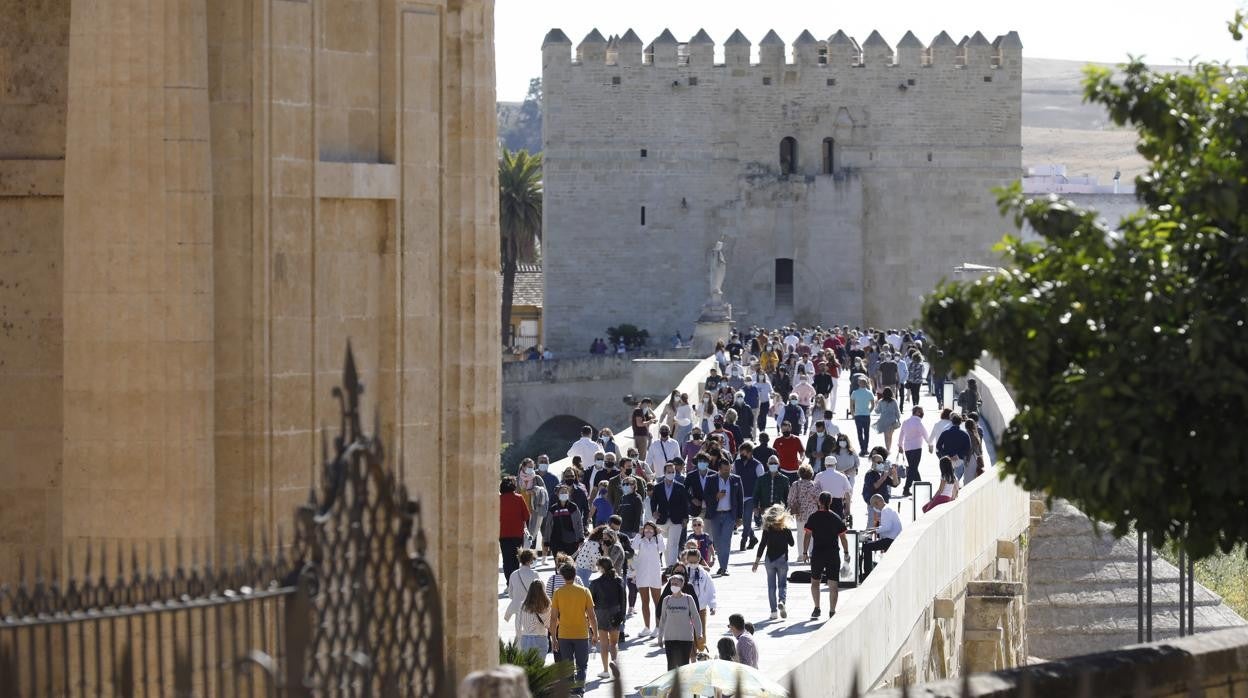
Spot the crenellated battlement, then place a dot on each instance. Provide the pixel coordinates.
(838, 50)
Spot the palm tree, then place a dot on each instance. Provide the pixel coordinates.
(519, 219)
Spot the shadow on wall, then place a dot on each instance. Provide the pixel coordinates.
(552, 438)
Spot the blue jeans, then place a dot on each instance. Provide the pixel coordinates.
(747, 530)
(721, 533)
(576, 651)
(777, 575)
(862, 423)
(584, 575)
(535, 642)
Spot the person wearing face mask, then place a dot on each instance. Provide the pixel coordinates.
(513, 517)
(750, 470)
(607, 440)
(631, 507)
(670, 504)
(725, 505)
(662, 451)
(628, 476)
(680, 624)
(886, 525)
(818, 446)
(880, 480)
(690, 448)
(863, 404)
(538, 503)
(596, 472)
(772, 488)
(699, 578)
(648, 570)
(750, 396)
(846, 460)
(794, 414)
(696, 483)
(564, 528)
(763, 384)
(789, 450)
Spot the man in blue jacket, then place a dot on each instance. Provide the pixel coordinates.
(956, 444)
(670, 504)
(725, 506)
(749, 470)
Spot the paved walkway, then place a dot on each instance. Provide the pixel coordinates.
(743, 592)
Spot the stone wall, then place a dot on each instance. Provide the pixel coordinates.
(916, 148)
(1207, 664)
(34, 72)
(251, 183)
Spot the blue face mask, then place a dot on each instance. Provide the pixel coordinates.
(627, 489)
(703, 465)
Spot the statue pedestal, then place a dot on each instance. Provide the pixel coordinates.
(713, 325)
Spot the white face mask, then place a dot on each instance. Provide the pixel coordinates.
(627, 489)
(773, 467)
(543, 466)
(676, 588)
(528, 471)
(563, 497)
(669, 476)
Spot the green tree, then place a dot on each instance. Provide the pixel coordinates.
(519, 220)
(1127, 350)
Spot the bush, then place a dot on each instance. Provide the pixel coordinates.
(543, 678)
(633, 338)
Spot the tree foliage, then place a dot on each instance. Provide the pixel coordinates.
(519, 219)
(522, 127)
(634, 338)
(1127, 350)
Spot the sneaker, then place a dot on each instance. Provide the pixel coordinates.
(645, 633)
(604, 674)
(774, 615)
(783, 613)
(814, 614)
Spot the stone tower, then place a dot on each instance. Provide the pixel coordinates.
(200, 202)
(845, 179)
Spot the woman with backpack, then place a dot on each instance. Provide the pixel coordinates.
(534, 617)
(610, 599)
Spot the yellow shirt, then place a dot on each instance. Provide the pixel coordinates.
(573, 602)
(767, 361)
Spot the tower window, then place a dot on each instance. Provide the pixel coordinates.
(615, 79)
(766, 81)
(643, 215)
(784, 283)
(693, 81)
(643, 152)
(788, 155)
(829, 156)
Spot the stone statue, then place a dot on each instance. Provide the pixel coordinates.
(717, 265)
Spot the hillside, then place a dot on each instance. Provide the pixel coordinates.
(1058, 128)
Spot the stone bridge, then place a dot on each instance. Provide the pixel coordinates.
(949, 597)
(589, 388)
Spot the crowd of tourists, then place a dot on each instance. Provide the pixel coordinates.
(649, 527)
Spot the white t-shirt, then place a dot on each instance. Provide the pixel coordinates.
(586, 448)
(833, 481)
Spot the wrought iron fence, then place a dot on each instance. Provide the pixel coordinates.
(353, 611)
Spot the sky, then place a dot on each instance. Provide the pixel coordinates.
(1163, 31)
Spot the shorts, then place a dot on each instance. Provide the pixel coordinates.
(825, 567)
(604, 618)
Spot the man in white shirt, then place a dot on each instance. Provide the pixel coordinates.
(585, 447)
(887, 526)
(893, 339)
(834, 482)
(661, 452)
(791, 340)
(913, 436)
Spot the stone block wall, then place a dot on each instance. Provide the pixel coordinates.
(250, 184)
(916, 146)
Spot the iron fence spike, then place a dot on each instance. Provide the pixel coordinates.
(121, 559)
(38, 569)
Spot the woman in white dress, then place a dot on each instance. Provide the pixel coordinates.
(648, 570)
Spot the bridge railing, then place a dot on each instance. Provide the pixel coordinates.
(874, 622)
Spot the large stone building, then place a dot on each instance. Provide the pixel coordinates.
(200, 202)
(845, 180)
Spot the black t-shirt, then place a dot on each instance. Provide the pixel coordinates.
(712, 382)
(825, 530)
(888, 372)
(775, 544)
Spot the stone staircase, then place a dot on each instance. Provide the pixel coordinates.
(1081, 591)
